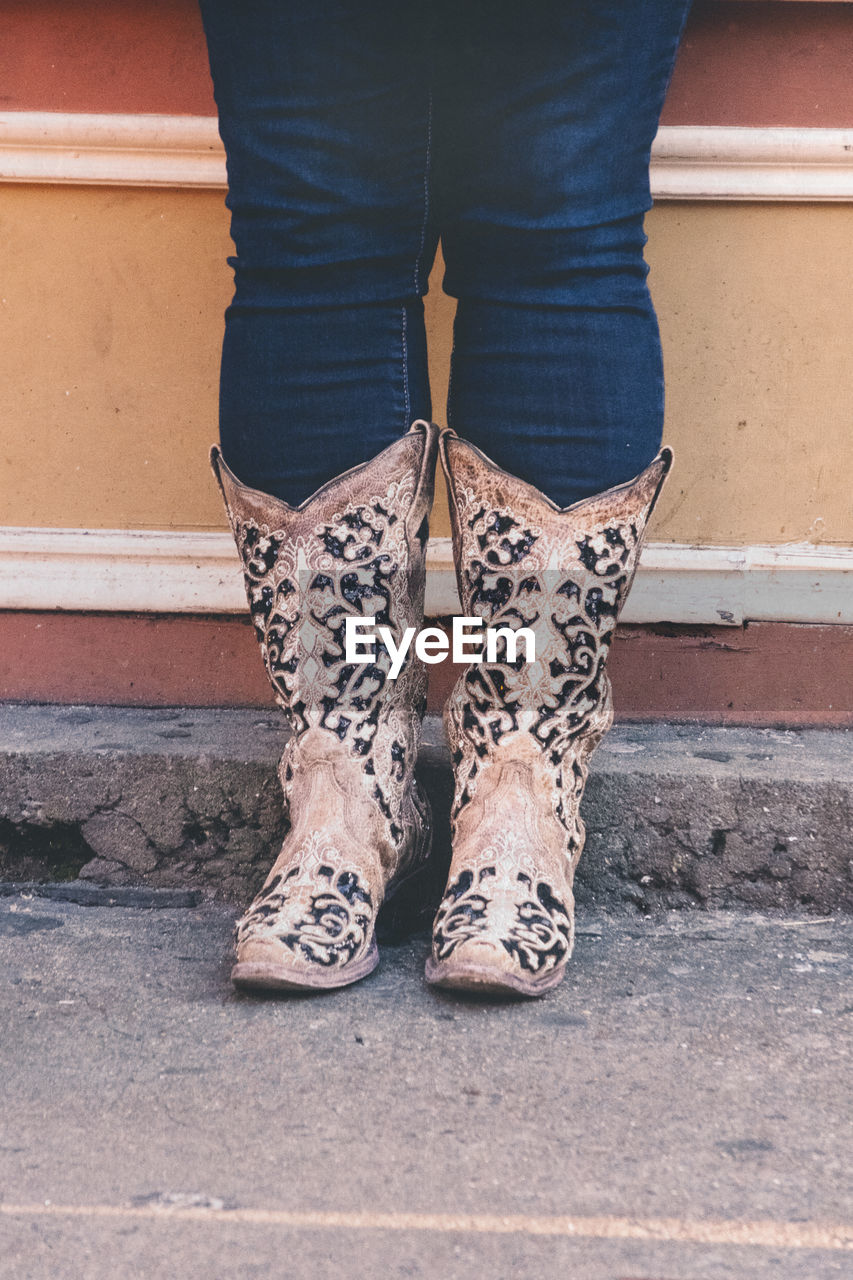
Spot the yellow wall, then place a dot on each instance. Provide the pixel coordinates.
(757, 325)
(112, 307)
(111, 323)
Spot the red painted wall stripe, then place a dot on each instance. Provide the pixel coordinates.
(763, 674)
(773, 62)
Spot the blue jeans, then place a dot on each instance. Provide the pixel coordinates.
(358, 133)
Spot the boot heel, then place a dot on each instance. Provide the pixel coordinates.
(411, 901)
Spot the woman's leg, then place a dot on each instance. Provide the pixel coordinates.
(325, 113)
(556, 375)
(324, 110)
(545, 115)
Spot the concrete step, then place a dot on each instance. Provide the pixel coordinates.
(677, 815)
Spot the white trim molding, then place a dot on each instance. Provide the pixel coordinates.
(689, 162)
(160, 571)
(111, 150)
(711, 162)
(791, 582)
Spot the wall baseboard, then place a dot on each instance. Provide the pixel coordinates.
(162, 571)
(689, 162)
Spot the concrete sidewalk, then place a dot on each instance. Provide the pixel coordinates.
(687, 1087)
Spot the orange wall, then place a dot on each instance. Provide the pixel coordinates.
(112, 299)
(111, 322)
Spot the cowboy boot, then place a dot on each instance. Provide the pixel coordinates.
(359, 825)
(521, 732)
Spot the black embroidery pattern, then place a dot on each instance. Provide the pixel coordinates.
(541, 938)
(537, 930)
(462, 913)
(508, 582)
(301, 589)
(299, 612)
(323, 915)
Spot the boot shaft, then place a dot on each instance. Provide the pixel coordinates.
(563, 574)
(355, 549)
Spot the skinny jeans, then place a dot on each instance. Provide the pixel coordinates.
(359, 133)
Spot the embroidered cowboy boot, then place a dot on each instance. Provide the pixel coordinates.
(521, 732)
(359, 824)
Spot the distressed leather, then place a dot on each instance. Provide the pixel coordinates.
(358, 822)
(521, 733)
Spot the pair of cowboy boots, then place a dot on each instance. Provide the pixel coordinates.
(520, 731)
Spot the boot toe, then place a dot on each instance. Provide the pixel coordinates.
(500, 929)
(302, 935)
(272, 965)
(485, 967)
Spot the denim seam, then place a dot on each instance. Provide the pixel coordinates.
(425, 222)
(449, 406)
(407, 401)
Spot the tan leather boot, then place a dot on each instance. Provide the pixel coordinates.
(359, 825)
(521, 733)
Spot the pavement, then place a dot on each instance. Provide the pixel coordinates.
(679, 1109)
